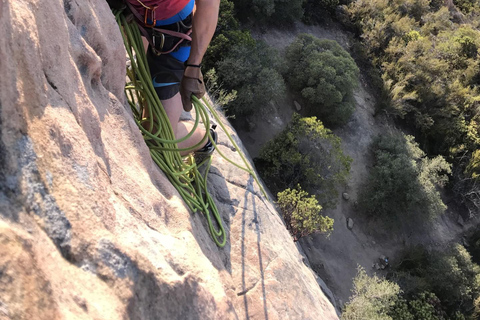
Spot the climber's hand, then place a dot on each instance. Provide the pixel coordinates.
(192, 83)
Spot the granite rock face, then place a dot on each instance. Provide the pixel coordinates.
(90, 228)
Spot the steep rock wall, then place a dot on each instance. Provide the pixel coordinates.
(89, 226)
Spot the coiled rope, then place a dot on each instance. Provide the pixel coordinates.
(158, 134)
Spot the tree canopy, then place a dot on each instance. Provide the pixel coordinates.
(403, 182)
(308, 154)
(325, 76)
(428, 54)
(270, 11)
(373, 298)
(302, 213)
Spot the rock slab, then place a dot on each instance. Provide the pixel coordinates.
(89, 227)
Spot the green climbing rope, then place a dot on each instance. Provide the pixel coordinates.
(153, 122)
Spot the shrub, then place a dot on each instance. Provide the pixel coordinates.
(215, 88)
(243, 65)
(403, 181)
(308, 154)
(325, 76)
(373, 298)
(302, 213)
(251, 70)
(425, 306)
(450, 275)
(270, 11)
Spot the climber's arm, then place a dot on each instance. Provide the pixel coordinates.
(204, 23)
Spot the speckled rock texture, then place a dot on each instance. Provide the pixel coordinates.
(90, 228)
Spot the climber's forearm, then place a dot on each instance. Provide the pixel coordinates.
(204, 23)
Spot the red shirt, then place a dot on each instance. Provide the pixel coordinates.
(165, 8)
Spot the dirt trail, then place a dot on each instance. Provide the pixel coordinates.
(335, 259)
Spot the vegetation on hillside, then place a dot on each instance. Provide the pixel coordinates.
(308, 154)
(429, 59)
(324, 74)
(422, 57)
(301, 213)
(403, 182)
(450, 275)
(269, 11)
(431, 285)
(244, 65)
(372, 298)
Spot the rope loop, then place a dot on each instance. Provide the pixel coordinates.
(182, 172)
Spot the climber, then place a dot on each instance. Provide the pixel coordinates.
(174, 58)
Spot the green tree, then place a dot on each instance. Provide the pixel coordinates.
(308, 154)
(251, 69)
(466, 6)
(450, 275)
(301, 213)
(455, 279)
(270, 11)
(315, 10)
(425, 306)
(373, 298)
(403, 181)
(325, 76)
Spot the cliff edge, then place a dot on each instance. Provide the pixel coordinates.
(90, 228)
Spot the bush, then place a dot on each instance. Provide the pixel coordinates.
(373, 298)
(403, 181)
(270, 11)
(251, 70)
(215, 88)
(425, 306)
(325, 76)
(450, 275)
(242, 65)
(302, 213)
(308, 154)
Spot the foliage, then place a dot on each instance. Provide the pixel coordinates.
(251, 70)
(450, 275)
(316, 10)
(373, 298)
(308, 154)
(428, 53)
(243, 65)
(473, 167)
(302, 213)
(223, 97)
(325, 76)
(270, 11)
(403, 181)
(223, 43)
(425, 306)
(466, 181)
(466, 6)
(226, 17)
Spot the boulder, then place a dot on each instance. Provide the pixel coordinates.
(297, 105)
(90, 228)
(350, 223)
(345, 196)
